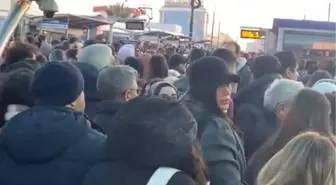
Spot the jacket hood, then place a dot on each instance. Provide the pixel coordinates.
(90, 74)
(150, 145)
(195, 107)
(254, 92)
(41, 134)
(98, 55)
(108, 107)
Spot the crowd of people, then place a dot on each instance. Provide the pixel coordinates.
(89, 113)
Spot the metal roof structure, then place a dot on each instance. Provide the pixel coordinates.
(303, 24)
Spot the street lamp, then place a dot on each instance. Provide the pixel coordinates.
(194, 4)
(49, 8)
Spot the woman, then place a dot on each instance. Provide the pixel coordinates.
(310, 111)
(158, 67)
(318, 75)
(308, 159)
(146, 134)
(162, 88)
(208, 98)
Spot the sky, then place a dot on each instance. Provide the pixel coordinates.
(231, 13)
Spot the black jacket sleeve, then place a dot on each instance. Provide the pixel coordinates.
(181, 178)
(221, 154)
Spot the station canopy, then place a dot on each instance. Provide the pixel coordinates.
(159, 33)
(75, 21)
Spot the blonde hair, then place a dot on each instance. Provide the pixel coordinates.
(308, 159)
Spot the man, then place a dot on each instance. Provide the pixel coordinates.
(116, 85)
(51, 143)
(45, 47)
(289, 65)
(242, 68)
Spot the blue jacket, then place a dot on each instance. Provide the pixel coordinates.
(48, 146)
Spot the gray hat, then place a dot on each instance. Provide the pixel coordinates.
(113, 80)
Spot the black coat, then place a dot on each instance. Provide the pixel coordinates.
(245, 75)
(48, 146)
(133, 154)
(104, 115)
(250, 115)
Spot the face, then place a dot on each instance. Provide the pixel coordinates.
(79, 103)
(168, 92)
(223, 96)
(282, 110)
(292, 74)
(182, 68)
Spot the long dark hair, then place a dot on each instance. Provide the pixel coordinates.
(309, 112)
(199, 164)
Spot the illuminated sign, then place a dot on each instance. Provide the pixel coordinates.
(250, 34)
(324, 46)
(135, 25)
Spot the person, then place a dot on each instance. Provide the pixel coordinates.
(71, 55)
(30, 39)
(127, 50)
(135, 64)
(318, 75)
(289, 65)
(44, 46)
(116, 85)
(249, 101)
(242, 67)
(163, 134)
(15, 93)
(182, 84)
(308, 159)
(310, 111)
(159, 67)
(97, 55)
(145, 61)
(208, 99)
(57, 55)
(17, 53)
(162, 88)
(51, 143)
(332, 99)
(177, 65)
(277, 99)
(325, 86)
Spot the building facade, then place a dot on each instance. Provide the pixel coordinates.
(178, 12)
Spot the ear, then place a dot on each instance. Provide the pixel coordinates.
(280, 111)
(127, 95)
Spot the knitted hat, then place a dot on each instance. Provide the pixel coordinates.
(57, 83)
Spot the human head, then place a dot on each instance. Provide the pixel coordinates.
(57, 55)
(232, 46)
(71, 54)
(160, 123)
(59, 84)
(159, 66)
(19, 52)
(318, 75)
(127, 50)
(145, 61)
(161, 88)
(195, 54)
(117, 83)
(265, 65)
(228, 56)
(30, 40)
(289, 64)
(307, 159)
(98, 55)
(89, 42)
(279, 96)
(135, 64)
(213, 89)
(178, 63)
(310, 110)
(332, 99)
(41, 38)
(55, 43)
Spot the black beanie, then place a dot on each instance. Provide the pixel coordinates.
(57, 83)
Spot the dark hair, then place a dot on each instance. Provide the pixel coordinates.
(30, 39)
(72, 40)
(19, 52)
(41, 59)
(135, 64)
(318, 75)
(65, 45)
(72, 53)
(175, 60)
(265, 65)
(332, 99)
(57, 55)
(225, 55)
(41, 38)
(161, 123)
(159, 66)
(16, 90)
(18, 65)
(55, 43)
(309, 112)
(196, 54)
(287, 60)
(237, 47)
